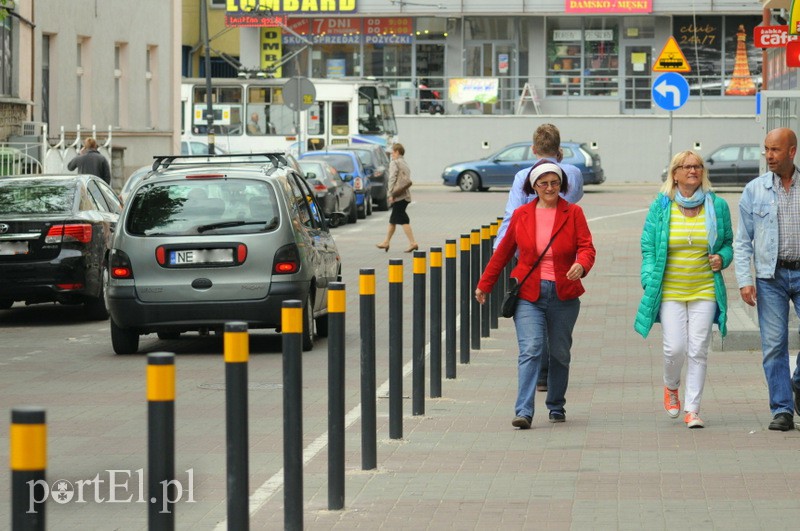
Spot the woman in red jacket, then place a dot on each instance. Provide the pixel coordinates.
(548, 300)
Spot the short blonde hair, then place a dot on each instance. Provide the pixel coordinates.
(669, 186)
(399, 148)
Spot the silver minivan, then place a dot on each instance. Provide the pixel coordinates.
(205, 240)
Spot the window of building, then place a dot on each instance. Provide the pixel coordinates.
(81, 99)
(150, 93)
(723, 61)
(6, 56)
(45, 117)
(120, 109)
(583, 56)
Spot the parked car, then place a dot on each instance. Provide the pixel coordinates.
(133, 180)
(376, 162)
(193, 147)
(333, 194)
(352, 172)
(731, 164)
(204, 242)
(499, 168)
(55, 233)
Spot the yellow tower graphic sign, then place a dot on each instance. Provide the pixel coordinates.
(741, 83)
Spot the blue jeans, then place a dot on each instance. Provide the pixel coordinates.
(546, 323)
(772, 301)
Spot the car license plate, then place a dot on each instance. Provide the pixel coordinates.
(9, 248)
(200, 256)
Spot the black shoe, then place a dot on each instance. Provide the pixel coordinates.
(796, 399)
(558, 416)
(522, 423)
(782, 422)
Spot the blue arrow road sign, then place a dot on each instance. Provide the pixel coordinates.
(670, 91)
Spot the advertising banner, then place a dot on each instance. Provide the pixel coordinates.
(608, 6)
(473, 89)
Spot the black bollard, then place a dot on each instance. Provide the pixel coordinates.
(436, 322)
(450, 309)
(466, 297)
(237, 353)
(395, 348)
(369, 442)
(336, 383)
(28, 456)
(486, 308)
(418, 336)
(494, 297)
(475, 275)
(161, 441)
(292, 337)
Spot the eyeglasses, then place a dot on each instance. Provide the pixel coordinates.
(552, 184)
(690, 167)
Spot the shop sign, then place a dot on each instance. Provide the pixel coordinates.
(387, 39)
(566, 35)
(608, 6)
(772, 36)
(794, 17)
(253, 21)
(598, 35)
(306, 7)
(322, 39)
(388, 26)
(473, 89)
(336, 26)
(271, 50)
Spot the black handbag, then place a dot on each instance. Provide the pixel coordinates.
(509, 306)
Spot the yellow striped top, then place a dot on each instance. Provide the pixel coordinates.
(688, 275)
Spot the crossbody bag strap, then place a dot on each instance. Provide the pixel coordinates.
(536, 263)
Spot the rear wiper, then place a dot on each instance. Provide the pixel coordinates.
(238, 223)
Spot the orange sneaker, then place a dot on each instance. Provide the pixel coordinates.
(693, 420)
(671, 402)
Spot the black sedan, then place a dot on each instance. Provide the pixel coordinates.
(333, 194)
(55, 232)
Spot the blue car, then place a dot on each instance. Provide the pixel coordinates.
(352, 172)
(499, 168)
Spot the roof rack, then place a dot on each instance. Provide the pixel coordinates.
(277, 159)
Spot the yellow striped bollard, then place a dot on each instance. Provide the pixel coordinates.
(237, 353)
(161, 485)
(336, 386)
(395, 348)
(369, 442)
(28, 457)
(292, 340)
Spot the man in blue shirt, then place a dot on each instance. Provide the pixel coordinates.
(546, 145)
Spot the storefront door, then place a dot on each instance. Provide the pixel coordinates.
(638, 78)
(494, 59)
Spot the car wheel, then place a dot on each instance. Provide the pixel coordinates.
(124, 340)
(362, 210)
(383, 204)
(95, 307)
(353, 217)
(322, 325)
(5, 304)
(469, 181)
(168, 336)
(368, 204)
(308, 324)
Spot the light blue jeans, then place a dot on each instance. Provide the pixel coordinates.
(548, 322)
(772, 301)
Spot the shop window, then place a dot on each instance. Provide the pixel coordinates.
(723, 62)
(583, 57)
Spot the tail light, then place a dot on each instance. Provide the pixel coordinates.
(69, 287)
(358, 183)
(119, 265)
(241, 253)
(287, 260)
(79, 232)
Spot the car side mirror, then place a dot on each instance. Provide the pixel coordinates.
(710, 160)
(311, 175)
(347, 178)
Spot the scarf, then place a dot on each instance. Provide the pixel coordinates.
(701, 198)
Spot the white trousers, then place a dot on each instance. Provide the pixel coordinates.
(687, 333)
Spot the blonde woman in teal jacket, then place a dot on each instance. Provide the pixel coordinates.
(687, 241)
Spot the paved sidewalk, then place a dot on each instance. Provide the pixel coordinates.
(619, 462)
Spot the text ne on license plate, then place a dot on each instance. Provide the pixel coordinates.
(201, 256)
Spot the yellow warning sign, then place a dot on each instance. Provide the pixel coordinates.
(671, 59)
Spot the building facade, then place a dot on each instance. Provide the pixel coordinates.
(569, 56)
(84, 67)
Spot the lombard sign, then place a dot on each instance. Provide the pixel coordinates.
(772, 36)
(289, 7)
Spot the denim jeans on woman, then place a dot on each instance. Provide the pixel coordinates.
(548, 321)
(772, 301)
